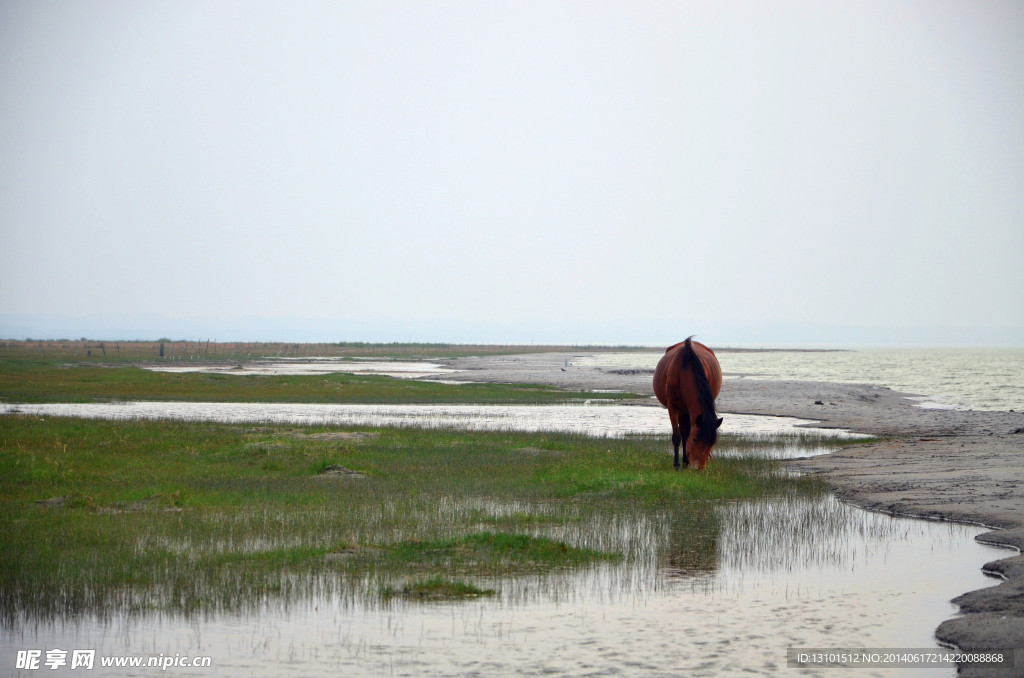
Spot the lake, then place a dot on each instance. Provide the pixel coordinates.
(981, 379)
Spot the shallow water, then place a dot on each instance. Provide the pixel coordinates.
(313, 365)
(768, 575)
(982, 379)
(589, 419)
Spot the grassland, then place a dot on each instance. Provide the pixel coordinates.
(30, 381)
(113, 517)
(39, 372)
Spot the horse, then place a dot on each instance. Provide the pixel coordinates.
(687, 381)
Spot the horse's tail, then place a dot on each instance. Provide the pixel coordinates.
(708, 431)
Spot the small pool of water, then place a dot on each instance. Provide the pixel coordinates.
(306, 366)
(764, 576)
(589, 419)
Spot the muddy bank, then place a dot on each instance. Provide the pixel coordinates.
(969, 478)
(942, 464)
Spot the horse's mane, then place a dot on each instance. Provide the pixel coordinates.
(709, 421)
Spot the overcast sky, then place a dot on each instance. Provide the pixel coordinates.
(750, 172)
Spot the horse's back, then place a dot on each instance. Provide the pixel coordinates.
(675, 346)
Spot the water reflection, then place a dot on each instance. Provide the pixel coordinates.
(701, 589)
(691, 541)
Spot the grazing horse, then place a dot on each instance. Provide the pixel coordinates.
(687, 381)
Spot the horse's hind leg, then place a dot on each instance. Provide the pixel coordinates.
(684, 432)
(680, 434)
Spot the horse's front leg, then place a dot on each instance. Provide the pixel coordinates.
(675, 446)
(677, 436)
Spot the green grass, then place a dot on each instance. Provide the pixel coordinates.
(436, 588)
(31, 381)
(110, 517)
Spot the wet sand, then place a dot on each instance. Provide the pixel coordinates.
(940, 464)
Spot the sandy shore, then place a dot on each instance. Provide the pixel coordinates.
(943, 464)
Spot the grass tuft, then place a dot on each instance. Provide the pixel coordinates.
(436, 589)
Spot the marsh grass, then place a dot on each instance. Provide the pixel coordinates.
(104, 517)
(436, 588)
(37, 381)
(488, 553)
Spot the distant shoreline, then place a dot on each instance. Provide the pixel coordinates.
(207, 349)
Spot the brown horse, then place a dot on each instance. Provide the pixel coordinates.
(687, 381)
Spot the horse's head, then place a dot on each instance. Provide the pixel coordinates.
(704, 436)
